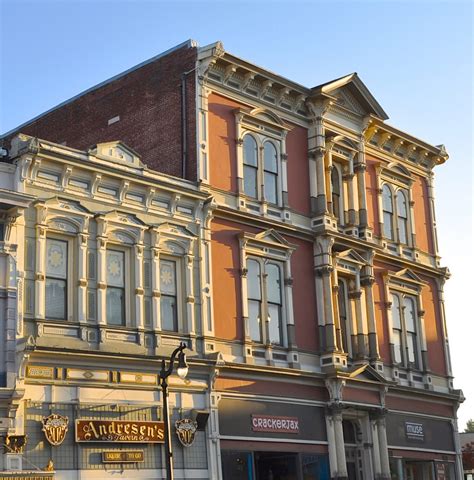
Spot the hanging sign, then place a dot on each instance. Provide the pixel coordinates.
(55, 428)
(123, 456)
(119, 431)
(186, 431)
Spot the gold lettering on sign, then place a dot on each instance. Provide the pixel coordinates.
(36, 371)
(119, 431)
(123, 456)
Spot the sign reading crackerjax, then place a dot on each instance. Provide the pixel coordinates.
(119, 431)
(275, 424)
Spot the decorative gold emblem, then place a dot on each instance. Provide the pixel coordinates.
(55, 428)
(15, 443)
(186, 431)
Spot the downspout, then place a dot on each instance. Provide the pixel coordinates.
(184, 121)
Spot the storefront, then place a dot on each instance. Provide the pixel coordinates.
(265, 440)
(421, 448)
(110, 440)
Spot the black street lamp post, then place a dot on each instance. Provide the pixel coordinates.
(182, 371)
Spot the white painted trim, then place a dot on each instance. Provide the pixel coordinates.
(428, 450)
(272, 440)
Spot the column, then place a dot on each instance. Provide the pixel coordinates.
(83, 238)
(155, 284)
(367, 283)
(349, 181)
(319, 151)
(290, 321)
(330, 330)
(316, 152)
(424, 347)
(284, 170)
(340, 449)
(411, 217)
(189, 285)
(327, 171)
(447, 354)
(40, 276)
(139, 290)
(431, 199)
(355, 295)
(375, 448)
(335, 302)
(101, 282)
(320, 310)
(331, 446)
(239, 153)
(382, 437)
(360, 169)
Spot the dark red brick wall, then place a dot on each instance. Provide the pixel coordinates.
(148, 101)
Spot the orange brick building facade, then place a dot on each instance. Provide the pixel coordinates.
(320, 321)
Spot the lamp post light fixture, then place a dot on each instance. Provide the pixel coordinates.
(182, 371)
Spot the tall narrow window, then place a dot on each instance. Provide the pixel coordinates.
(402, 214)
(56, 279)
(115, 287)
(410, 322)
(250, 167)
(270, 167)
(168, 300)
(387, 204)
(336, 193)
(397, 329)
(274, 303)
(254, 300)
(342, 304)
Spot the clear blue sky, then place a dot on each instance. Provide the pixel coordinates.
(415, 57)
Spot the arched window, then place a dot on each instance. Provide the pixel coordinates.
(254, 296)
(396, 329)
(270, 170)
(387, 205)
(250, 166)
(336, 194)
(405, 343)
(402, 214)
(274, 303)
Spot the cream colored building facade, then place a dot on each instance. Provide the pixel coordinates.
(100, 270)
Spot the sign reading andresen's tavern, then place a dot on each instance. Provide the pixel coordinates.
(119, 431)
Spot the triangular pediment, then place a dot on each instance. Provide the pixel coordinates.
(396, 168)
(351, 256)
(351, 93)
(368, 373)
(408, 276)
(117, 151)
(58, 203)
(123, 217)
(172, 228)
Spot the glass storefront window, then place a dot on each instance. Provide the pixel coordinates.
(274, 466)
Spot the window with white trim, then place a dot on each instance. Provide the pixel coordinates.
(262, 160)
(396, 208)
(56, 285)
(265, 301)
(115, 298)
(261, 168)
(404, 330)
(169, 295)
